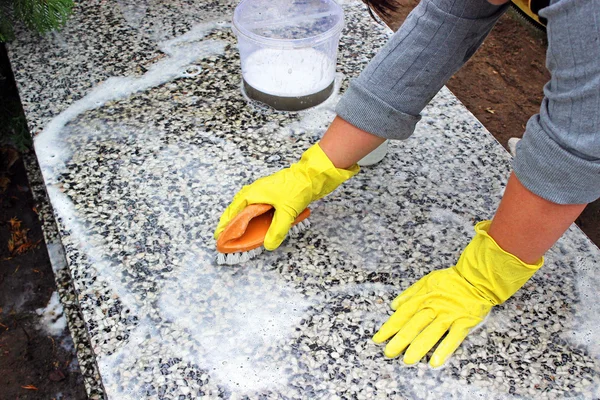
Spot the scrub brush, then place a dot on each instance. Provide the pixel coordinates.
(243, 238)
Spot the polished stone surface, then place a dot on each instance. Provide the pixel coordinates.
(143, 136)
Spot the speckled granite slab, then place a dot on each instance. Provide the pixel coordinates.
(143, 136)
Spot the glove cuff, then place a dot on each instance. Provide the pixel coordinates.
(495, 273)
(323, 175)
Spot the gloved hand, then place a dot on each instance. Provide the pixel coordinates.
(290, 191)
(455, 300)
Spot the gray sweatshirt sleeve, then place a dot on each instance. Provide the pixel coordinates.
(559, 156)
(436, 39)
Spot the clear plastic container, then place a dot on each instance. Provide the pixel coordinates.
(375, 156)
(288, 50)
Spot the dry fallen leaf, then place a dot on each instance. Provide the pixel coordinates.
(29, 387)
(18, 242)
(9, 157)
(490, 110)
(26, 246)
(4, 181)
(14, 223)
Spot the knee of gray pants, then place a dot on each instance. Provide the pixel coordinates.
(559, 156)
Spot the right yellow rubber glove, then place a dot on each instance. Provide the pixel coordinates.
(290, 191)
(453, 300)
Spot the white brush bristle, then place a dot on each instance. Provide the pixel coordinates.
(238, 258)
(299, 228)
(242, 257)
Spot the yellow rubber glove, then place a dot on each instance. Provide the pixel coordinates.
(290, 191)
(453, 300)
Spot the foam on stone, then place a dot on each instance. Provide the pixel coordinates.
(227, 313)
(52, 317)
(240, 318)
(57, 256)
(64, 208)
(587, 315)
(133, 11)
(182, 51)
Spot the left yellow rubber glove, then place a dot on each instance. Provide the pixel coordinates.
(453, 300)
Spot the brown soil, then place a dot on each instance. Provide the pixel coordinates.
(33, 363)
(502, 84)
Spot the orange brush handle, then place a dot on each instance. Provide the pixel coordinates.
(247, 230)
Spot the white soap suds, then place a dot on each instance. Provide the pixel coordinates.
(65, 209)
(182, 51)
(57, 256)
(288, 72)
(52, 152)
(133, 11)
(588, 318)
(53, 319)
(110, 364)
(442, 218)
(240, 318)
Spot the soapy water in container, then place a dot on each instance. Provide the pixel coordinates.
(288, 50)
(288, 72)
(289, 79)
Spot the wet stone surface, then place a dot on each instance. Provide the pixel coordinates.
(144, 136)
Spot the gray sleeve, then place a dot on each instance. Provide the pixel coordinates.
(559, 156)
(436, 39)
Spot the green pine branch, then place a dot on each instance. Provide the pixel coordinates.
(41, 16)
(6, 29)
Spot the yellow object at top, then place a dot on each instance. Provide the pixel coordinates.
(453, 300)
(290, 191)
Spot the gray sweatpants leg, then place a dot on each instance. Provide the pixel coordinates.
(559, 156)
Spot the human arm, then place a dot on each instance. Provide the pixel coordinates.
(434, 41)
(387, 110)
(527, 225)
(556, 171)
(346, 144)
(504, 254)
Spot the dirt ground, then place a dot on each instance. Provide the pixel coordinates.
(502, 84)
(34, 364)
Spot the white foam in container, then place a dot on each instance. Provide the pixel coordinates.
(289, 72)
(288, 49)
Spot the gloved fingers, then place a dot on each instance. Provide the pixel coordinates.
(408, 293)
(281, 224)
(426, 340)
(237, 205)
(395, 322)
(458, 332)
(408, 332)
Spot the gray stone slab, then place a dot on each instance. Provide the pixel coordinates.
(143, 136)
